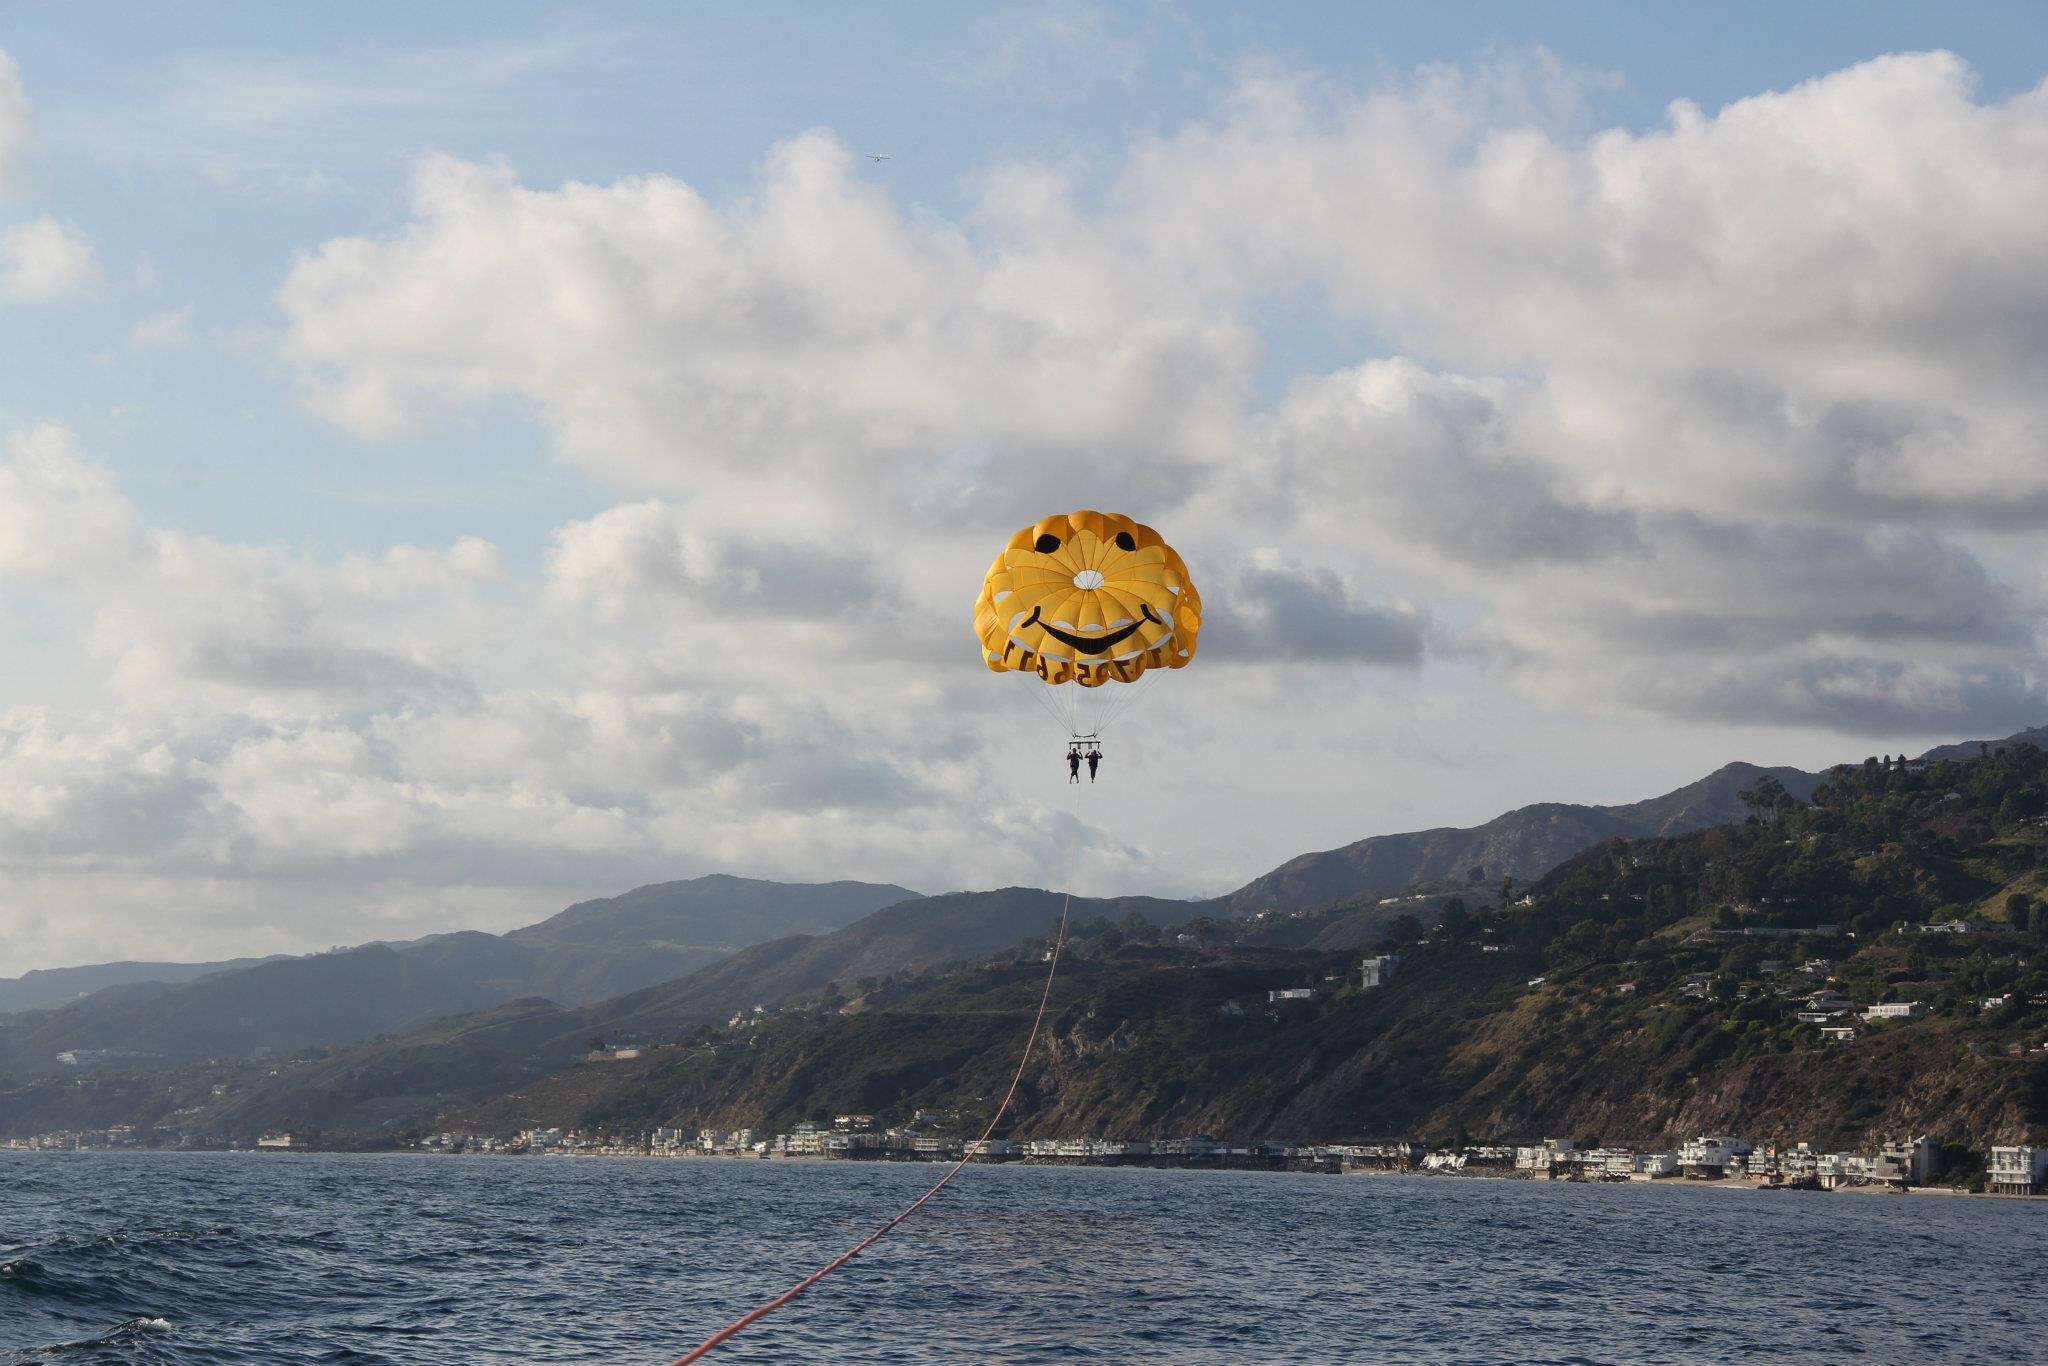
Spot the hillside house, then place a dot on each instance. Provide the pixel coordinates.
(1291, 994)
(1379, 970)
(1896, 1010)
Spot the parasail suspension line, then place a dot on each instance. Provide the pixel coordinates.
(732, 1329)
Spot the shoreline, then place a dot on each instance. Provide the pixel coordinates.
(1727, 1183)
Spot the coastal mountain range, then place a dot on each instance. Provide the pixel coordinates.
(664, 957)
(1645, 990)
(588, 952)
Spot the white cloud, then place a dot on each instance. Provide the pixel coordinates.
(60, 517)
(1649, 374)
(1736, 420)
(657, 705)
(811, 334)
(42, 260)
(14, 121)
(1272, 611)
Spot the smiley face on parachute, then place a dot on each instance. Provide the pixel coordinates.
(1088, 598)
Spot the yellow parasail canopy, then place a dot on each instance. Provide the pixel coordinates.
(1087, 598)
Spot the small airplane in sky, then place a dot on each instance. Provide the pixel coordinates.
(872, 157)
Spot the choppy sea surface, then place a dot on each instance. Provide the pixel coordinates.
(225, 1258)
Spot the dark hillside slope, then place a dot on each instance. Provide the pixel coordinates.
(1713, 800)
(390, 1077)
(276, 1008)
(595, 950)
(591, 951)
(1648, 992)
(48, 988)
(956, 927)
(1523, 844)
(716, 911)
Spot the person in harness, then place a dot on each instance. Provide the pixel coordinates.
(1094, 758)
(1073, 763)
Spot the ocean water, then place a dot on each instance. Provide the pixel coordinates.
(223, 1258)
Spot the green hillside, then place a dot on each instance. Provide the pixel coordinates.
(1647, 990)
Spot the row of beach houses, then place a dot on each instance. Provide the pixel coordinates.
(2010, 1170)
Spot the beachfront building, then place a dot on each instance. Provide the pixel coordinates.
(1195, 1145)
(1606, 1164)
(1650, 1166)
(995, 1148)
(1397, 1156)
(1710, 1157)
(1910, 1162)
(857, 1143)
(1555, 1152)
(2021, 1170)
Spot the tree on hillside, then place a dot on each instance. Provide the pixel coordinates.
(1455, 919)
(1763, 799)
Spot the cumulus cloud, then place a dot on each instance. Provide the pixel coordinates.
(61, 517)
(812, 333)
(1271, 610)
(1777, 306)
(1791, 623)
(657, 703)
(42, 260)
(641, 557)
(1449, 464)
(1736, 419)
(1664, 378)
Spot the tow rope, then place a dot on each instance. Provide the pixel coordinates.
(732, 1329)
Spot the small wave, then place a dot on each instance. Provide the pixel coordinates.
(31, 1277)
(113, 1337)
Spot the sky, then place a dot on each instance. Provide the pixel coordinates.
(460, 460)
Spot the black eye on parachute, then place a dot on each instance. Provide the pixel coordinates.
(1047, 543)
(1125, 541)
